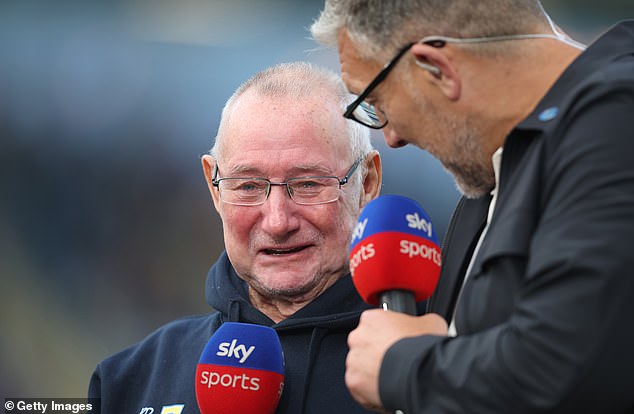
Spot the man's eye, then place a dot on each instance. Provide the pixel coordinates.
(369, 100)
(307, 185)
(246, 186)
(311, 186)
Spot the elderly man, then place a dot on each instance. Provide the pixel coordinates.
(536, 294)
(288, 176)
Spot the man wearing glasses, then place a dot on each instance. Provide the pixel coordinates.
(288, 176)
(536, 293)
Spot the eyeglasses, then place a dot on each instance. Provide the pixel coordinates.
(363, 112)
(302, 190)
(366, 114)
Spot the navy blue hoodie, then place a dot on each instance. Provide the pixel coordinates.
(156, 376)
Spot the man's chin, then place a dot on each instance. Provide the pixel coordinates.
(471, 185)
(472, 191)
(286, 282)
(288, 292)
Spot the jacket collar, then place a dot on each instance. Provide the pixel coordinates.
(469, 219)
(612, 45)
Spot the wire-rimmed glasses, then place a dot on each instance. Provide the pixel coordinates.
(253, 191)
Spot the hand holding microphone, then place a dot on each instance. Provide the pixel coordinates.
(241, 370)
(377, 332)
(395, 262)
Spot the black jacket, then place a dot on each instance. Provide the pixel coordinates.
(545, 318)
(159, 371)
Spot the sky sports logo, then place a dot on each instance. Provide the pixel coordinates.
(413, 220)
(225, 376)
(229, 380)
(234, 350)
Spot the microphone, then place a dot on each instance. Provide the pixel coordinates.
(241, 370)
(394, 254)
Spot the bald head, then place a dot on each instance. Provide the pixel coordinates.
(294, 83)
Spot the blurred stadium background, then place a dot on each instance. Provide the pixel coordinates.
(106, 226)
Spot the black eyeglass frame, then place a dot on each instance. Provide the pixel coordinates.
(215, 181)
(349, 113)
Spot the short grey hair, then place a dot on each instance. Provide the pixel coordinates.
(381, 27)
(297, 80)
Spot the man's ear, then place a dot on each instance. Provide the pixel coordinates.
(209, 163)
(372, 179)
(439, 67)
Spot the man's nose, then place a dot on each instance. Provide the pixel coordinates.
(391, 138)
(279, 212)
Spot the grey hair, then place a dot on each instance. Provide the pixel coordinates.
(380, 27)
(298, 80)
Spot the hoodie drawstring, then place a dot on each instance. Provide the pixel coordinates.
(233, 312)
(313, 350)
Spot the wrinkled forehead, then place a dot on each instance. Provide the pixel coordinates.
(270, 124)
